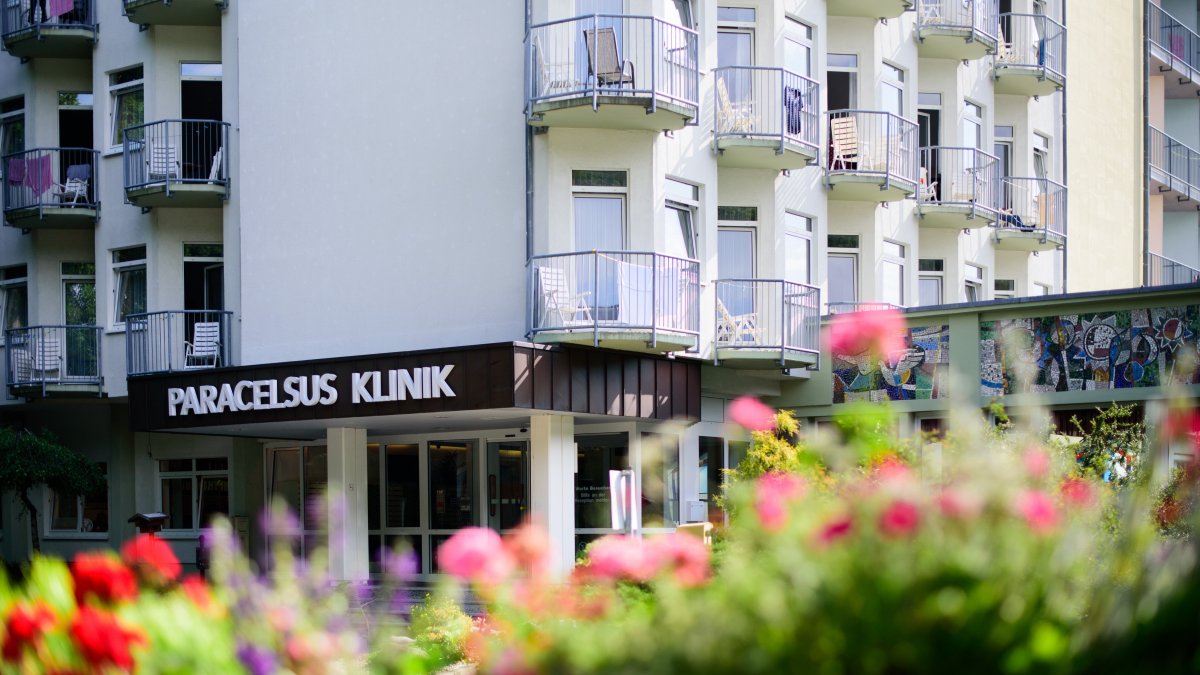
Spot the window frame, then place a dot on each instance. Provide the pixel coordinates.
(195, 475)
(802, 34)
(975, 119)
(690, 207)
(49, 532)
(68, 278)
(888, 258)
(120, 268)
(998, 293)
(805, 234)
(115, 93)
(855, 256)
(893, 76)
(974, 282)
(10, 283)
(8, 119)
(938, 275)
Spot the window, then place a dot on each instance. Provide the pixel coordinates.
(193, 491)
(452, 468)
(129, 282)
(798, 47)
(200, 71)
(735, 15)
(929, 283)
(972, 125)
(797, 249)
(12, 126)
(1041, 156)
(79, 294)
(14, 297)
(660, 480)
(842, 76)
(682, 201)
(74, 513)
(891, 90)
(973, 282)
(892, 273)
(1042, 289)
(683, 13)
(599, 210)
(127, 101)
(735, 256)
(735, 48)
(843, 268)
(1004, 288)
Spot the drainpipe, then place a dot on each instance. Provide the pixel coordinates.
(528, 175)
(1145, 144)
(1065, 154)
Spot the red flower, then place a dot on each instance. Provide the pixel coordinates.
(476, 554)
(152, 559)
(879, 332)
(25, 625)
(685, 557)
(834, 530)
(102, 641)
(752, 413)
(103, 576)
(199, 593)
(901, 518)
(772, 494)
(1077, 492)
(1038, 511)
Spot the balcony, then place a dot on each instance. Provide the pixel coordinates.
(953, 29)
(871, 9)
(50, 188)
(613, 72)
(836, 308)
(53, 361)
(959, 188)
(175, 12)
(1162, 271)
(190, 339)
(644, 302)
(177, 163)
(1174, 172)
(31, 34)
(766, 118)
(767, 323)
(872, 156)
(1035, 218)
(1031, 55)
(1175, 52)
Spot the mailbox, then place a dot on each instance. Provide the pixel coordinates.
(148, 523)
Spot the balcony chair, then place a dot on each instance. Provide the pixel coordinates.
(1044, 205)
(204, 350)
(162, 162)
(559, 301)
(605, 66)
(843, 134)
(75, 190)
(1004, 49)
(214, 174)
(47, 359)
(553, 77)
(741, 329)
(734, 119)
(969, 186)
(926, 191)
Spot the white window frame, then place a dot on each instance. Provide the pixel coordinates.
(855, 254)
(998, 294)
(975, 281)
(802, 34)
(893, 76)
(747, 226)
(1041, 156)
(119, 268)
(901, 261)
(972, 114)
(115, 91)
(12, 284)
(852, 70)
(195, 474)
(677, 203)
(604, 191)
(936, 275)
(50, 532)
(806, 234)
(68, 278)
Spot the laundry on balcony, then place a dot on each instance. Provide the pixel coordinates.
(35, 173)
(793, 105)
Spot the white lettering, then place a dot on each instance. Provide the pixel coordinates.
(308, 391)
(440, 387)
(412, 386)
(208, 399)
(426, 381)
(358, 385)
(239, 399)
(174, 398)
(291, 388)
(331, 394)
(191, 402)
(262, 396)
(226, 402)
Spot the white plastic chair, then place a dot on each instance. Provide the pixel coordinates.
(204, 349)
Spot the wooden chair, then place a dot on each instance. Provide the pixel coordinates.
(604, 61)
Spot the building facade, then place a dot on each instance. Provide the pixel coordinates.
(243, 260)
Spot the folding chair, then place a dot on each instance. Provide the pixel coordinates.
(558, 300)
(204, 349)
(604, 61)
(843, 134)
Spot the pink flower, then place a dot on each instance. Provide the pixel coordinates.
(956, 505)
(773, 493)
(1037, 462)
(476, 554)
(879, 332)
(834, 530)
(901, 518)
(892, 469)
(529, 546)
(685, 557)
(1077, 492)
(752, 414)
(1038, 511)
(617, 557)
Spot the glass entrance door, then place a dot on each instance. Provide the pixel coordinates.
(507, 484)
(298, 478)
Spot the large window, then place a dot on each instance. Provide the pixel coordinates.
(660, 480)
(892, 273)
(798, 47)
(126, 101)
(12, 126)
(14, 297)
(929, 283)
(129, 282)
(596, 456)
(599, 200)
(735, 257)
(682, 201)
(843, 269)
(735, 47)
(193, 491)
(842, 73)
(797, 249)
(452, 471)
(80, 513)
(1004, 288)
(972, 125)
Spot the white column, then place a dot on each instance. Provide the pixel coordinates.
(552, 484)
(348, 554)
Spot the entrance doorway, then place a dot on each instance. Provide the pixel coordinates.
(200, 106)
(507, 484)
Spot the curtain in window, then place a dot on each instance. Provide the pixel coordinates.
(16, 306)
(599, 226)
(735, 260)
(131, 292)
(843, 278)
(796, 250)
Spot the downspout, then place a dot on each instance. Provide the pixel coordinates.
(528, 175)
(1066, 147)
(1145, 144)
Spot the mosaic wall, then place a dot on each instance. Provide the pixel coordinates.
(919, 372)
(1082, 352)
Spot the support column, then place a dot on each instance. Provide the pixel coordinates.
(552, 484)
(348, 548)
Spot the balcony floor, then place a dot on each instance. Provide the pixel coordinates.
(52, 218)
(954, 216)
(613, 112)
(953, 42)
(178, 13)
(762, 153)
(1012, 239)
(871, 9)
(1177, 195)
(69, 389)
(1179, 79)
(1025, 80)
(625, 339)
(862, 187)
(757, 358)
(182, 195)
(52, 42)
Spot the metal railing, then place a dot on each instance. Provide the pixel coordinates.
(613, 55)
(957, 176)
(1032, 41)
(1033, 205)
(34, 16)
(614, 291)
(1179, 163)
(1170, 35)
(860, 306)
(980, 17)
(39, 356)
(190, 339)
(1162, 271)
(770, 103)
(49, 178)
(872, 142)
(176, 151)
(768, 314)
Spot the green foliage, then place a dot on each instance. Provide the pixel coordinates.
(32, 459)
(1175, 505)
(774, 452)
(1112, 436)
(440, 626)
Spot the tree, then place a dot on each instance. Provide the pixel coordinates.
(29, 459)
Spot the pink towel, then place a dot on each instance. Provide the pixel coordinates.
(39, 174)
(15, 171)
(60, 7)
(1177, 45)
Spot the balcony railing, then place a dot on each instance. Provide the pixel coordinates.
(159, 342)
(1178, 164)
(871, 142)
(59, 357)
(850, 307)
(611, 55)
(49, 178)
(1033, 205)
(976, 19)
(1032, 41)
(1178, 42)
(601, 292)
(177, 152)
(956, 176)
(768, 315)
(767, 103)
(1162, 271)
(34, 18)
